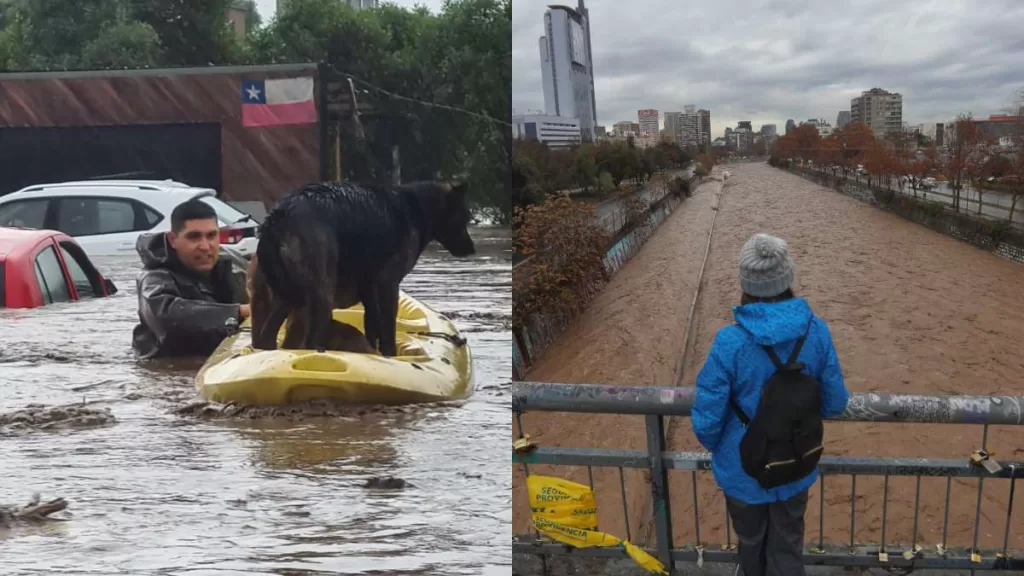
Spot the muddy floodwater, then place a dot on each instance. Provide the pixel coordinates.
(156, 492)
(910, 310)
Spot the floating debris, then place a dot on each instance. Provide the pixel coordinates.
(42, 417)
(386, 483)
(311, 409)
(34, 511)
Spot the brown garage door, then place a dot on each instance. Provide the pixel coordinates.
(188, 153)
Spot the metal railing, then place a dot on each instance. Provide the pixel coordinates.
(657, 403)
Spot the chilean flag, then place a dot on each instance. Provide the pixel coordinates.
(278, 102)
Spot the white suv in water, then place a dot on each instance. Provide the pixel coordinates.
(107, 217)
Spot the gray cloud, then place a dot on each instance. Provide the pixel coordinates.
(768, 61)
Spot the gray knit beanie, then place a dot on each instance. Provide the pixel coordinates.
(766, 269)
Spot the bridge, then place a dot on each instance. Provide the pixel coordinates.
(888, 548)
(927, 330)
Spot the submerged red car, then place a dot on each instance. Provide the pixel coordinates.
(40, 267)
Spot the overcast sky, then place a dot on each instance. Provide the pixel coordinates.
(770, 60)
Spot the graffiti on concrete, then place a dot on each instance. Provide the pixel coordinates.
(542, 330)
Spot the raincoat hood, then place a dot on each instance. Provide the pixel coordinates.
(182, 313)
(155, 251)
(776, 322)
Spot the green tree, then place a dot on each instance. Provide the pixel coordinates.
(475, 46)
(584, 167)
(127, 45)
(648, 164)
(56, 32)
(528, 174)
(92, 34)
(391, 48)
(192, 32)
(459, 58)
(605, 184)
(14, 42)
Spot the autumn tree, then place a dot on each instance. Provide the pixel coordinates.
(1015, 177)
(854, 139)
(902, 147)
(802, 142)
(922, 167)
(807, 141)
(878, 162)
(785, 146)
(963, 141)
(981, 154)
(565, 244)
(830, 155)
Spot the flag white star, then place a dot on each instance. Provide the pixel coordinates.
(253, 92)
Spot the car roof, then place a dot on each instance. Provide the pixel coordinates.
(11, 238)
(113, 187)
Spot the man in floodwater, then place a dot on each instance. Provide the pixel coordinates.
(768, 382)
(190, 298)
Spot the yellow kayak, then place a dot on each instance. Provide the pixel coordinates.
(433, 364)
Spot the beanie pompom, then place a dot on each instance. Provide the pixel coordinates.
(768, 247)
(766, 268)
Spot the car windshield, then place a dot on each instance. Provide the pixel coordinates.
(226, 213)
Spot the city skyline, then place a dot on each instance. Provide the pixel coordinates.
(807, 73)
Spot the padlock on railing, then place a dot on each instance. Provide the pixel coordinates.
(524, 445)
(984, 459)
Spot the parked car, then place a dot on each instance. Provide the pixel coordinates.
(40, 267)
(107, 217)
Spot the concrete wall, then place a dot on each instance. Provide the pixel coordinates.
(528, 345)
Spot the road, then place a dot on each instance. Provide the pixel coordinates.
(995, 205)
(911, 311)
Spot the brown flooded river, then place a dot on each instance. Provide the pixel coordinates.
(911, 311)
(160, 493)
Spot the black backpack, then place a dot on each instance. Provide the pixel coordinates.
(783, 442)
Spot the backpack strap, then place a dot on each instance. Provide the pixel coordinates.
(796, 350)
(775, 357)
(778, 365)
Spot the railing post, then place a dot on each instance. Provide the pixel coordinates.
(659, 489)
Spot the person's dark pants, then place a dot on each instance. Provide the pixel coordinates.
(771, 536)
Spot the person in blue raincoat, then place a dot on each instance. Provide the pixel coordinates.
(769, 523)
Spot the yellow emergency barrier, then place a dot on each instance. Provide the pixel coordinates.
(567, 512)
